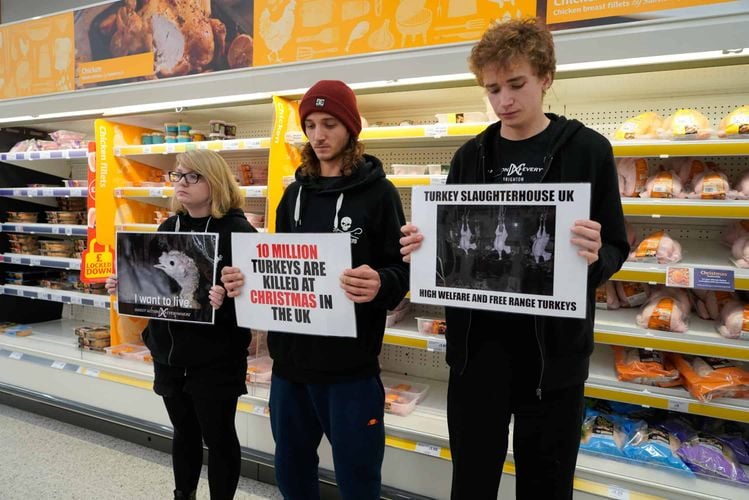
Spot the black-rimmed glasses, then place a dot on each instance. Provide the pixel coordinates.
(190, 177)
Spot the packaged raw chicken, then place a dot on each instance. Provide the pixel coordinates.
(710, 185)
(642, 127)
(606, 297)
(709, 303)
(686, 124)
(740, 252)
(632, 294)
(658, 247)
(734, 320)
(708, 378)
(687, 168)
(735, 124)
(656, 445)
(665, 313)
(664, 184)
(706, 454)
(645, 367)
(633, 175)
(604, 432)
(734, 231)
(740, 190)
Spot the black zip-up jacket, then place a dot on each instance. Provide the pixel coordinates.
(367, 206)
(576, 154)
(191, 344)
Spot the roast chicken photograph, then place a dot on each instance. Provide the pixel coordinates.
(185, 36)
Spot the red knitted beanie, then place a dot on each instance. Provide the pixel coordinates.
(335, 98)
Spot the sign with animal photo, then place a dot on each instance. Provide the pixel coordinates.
(166, 275)
(502, 247)
(292, 283)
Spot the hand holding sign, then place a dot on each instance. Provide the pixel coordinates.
(587, 236)
(233, 280)
(216, 296)
(361, 284)
(411, 241)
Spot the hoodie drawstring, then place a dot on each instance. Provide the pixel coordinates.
(338, 204)
(298, 208)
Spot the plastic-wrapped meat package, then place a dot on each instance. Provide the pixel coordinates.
(710, 185)
(735, 124)
(641, 127)
(640, 366)
(664, 184)
(740, 252)
(734, 434)
(606, 297)
(686, 124)
(605, 433)
(682, 426)
(734, 231)
(632, 294)
(664, 313)
(740, 190)
(686, 168)
(706, 454)
(654, 445)
(709, 303)
(658, 247)
(734, 320)
(708, 378)
(23, 146)
(633, 175)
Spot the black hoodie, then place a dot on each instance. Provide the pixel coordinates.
(191, 344)
(577, 154)
(367, 206)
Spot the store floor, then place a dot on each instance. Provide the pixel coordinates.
(45, 458)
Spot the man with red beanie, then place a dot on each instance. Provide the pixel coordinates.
(331, 385)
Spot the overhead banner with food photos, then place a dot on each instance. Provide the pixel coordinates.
(131, 40)
(502, 247)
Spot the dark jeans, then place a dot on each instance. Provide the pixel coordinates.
(202, 419)
(350, 415)
(546, 434)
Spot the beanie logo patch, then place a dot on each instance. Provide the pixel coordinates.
(320, 102)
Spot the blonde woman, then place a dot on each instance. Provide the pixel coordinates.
(200, 369)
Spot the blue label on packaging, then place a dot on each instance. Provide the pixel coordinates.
(714, 279)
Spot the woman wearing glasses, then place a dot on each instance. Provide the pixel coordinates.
(200, 369)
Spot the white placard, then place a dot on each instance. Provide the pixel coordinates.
(436, 345)
(156, 192)
(428, 449)
(15, 260)
(68, 230)
(58, 365)
(35, 261)
(292, 283)
(501, 247)
(259, 410)
(16, 355)
(252, 143)
(438, 130)
(147, 150)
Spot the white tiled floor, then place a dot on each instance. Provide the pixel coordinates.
(45, 458)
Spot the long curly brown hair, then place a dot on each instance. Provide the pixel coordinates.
(351, 156)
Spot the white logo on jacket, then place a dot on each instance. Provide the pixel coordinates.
(346, 227)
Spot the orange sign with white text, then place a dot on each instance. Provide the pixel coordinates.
(562, 11)
(37, 56)
(288, 30)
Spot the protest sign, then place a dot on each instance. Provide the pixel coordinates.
(292, 283)
(503, 247)
(166, 275)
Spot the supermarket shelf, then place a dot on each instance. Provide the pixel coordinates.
(696, 253)
(620, 328)
(63, 154)
(656, 208)
(664, 149)
(167, 192)
(159, 155)
(64, 296)
(38, 228)
(405, 333)
(603, 384)
(40, 261)
(406, 181)
(447, 134)
(49, 192)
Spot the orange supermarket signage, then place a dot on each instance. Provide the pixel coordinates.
(563, 11)
(116, 69)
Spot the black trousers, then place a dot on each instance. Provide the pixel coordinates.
(198, 419)
(546, 434)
